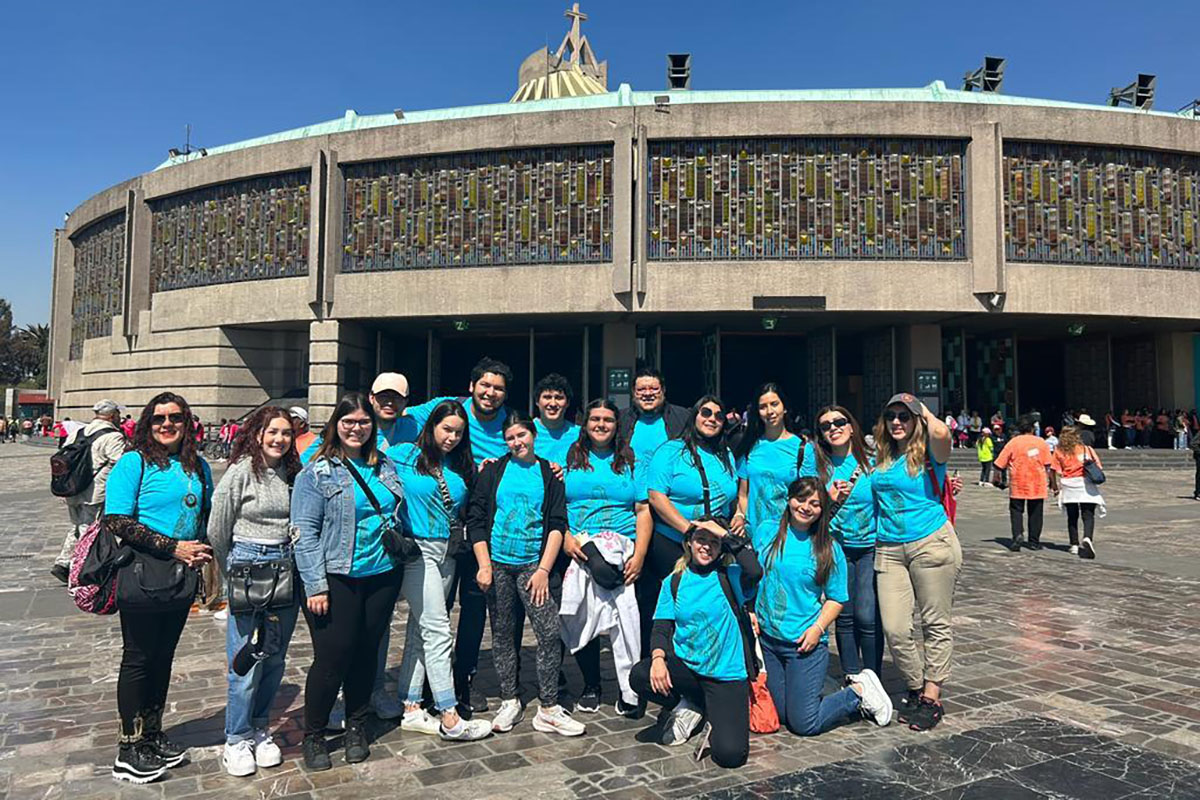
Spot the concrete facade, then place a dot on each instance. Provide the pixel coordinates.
(231, 346)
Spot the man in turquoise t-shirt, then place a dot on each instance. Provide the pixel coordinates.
(651, 420)
(485, 407)
(555, 433)
(389, 396)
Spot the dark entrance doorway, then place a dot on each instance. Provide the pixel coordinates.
(460, 353)
(1041, 378)
(683, 366)
(749, 360)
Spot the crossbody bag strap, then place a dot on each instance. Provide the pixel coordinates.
(743, 623)
(937, 489)
(834, 508)
(367, 491)
(444, 491)
(707, 495)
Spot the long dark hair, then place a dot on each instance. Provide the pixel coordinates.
(460, 458)
(145, 443)
(858, 444)
(691, 439)
(577, 455)
(818, 532)
(754, 424)
(247, 445)
(331, 443)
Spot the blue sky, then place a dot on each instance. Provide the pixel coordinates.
(94, 93)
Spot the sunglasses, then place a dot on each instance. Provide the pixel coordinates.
(902, 416)
(840, 422)
(160, 419)
(707, 413)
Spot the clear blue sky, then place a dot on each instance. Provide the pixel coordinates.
(94, 93)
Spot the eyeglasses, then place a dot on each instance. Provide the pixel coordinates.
(840, 422)
(648, 391)
(902, 416)
(707, 412)
(354, 423)
(160, 419)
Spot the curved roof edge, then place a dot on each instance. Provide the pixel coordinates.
(624, 96)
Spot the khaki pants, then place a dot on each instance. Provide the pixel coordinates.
(921, 575)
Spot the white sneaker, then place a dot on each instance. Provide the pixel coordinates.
(386, 706)
(510, 714)
(1087, 549)
(418, 720)
(266, 752)
(238, 758)
(684, 720)
(467, 730)
(221, 615)
(875, 703)
(555, 719)
(1074, 550)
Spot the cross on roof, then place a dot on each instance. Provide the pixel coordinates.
(574, 40)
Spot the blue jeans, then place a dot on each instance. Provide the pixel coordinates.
(859, 631)
(795, 681)
(427, 636)
(250, 696)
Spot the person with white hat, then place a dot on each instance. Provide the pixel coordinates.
(301, 434)
(85, 506)
(389, 398)
(1084, 424)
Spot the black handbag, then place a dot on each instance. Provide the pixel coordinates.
(1091, 469)
(253, 587)
(152, 581)
(396, 542)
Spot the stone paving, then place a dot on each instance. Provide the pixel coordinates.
(1072, 679)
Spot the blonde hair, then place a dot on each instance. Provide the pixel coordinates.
(685, 560)
(1069, 441)
(887, 451)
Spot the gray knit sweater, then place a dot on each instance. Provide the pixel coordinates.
(247, 509)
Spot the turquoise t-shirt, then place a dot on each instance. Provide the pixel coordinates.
(907, 507)
(768, 469)
(169, 501)
(648, 434)
(854, 525)
(383, 440)
(789, 599)
(369, 556)
(672, 473)
(517, 528)
(707, 636)
(553, 445)
(487, 437)
(601, 500)
(423, 511)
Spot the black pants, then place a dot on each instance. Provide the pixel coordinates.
(148, 640)
(588, 659)
(1196, 493)
(726, 704)
(985, 471)
(660, 561)
(346, 646)
(1074, 512)
(1016, 512)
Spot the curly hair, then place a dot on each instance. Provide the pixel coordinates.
(248, 444)
(154, 452)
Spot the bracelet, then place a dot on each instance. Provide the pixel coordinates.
(654, 656)
(542, 569)
(738, 514)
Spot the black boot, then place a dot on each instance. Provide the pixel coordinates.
(171, 753)
(316, 754)
(136, 761)
(356, 745)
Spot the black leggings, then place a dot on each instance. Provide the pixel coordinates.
(1196, 491)
(1088, 512)
(346, 646)
(148, 640)
(726, 704)
(660, 562)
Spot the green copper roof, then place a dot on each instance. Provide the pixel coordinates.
(624, 96)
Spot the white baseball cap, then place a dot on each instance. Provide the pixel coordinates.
(298, 413)
(390, 381)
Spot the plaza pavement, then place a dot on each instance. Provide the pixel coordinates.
(1072, 679)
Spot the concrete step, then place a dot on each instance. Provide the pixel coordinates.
(962, 459)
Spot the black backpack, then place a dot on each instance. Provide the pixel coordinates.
(71, 471)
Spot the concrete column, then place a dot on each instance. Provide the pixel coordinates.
(332, 347)
(620, 352)
(1176, 369)
(624, 180)
(918, 347)
(985, 207)
(639, 213)
(331, 239)
(317, 190)
(62, 293)
(138, 222)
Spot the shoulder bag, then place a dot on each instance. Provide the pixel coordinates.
(457, 543)
(254, 587)
(1091, 470)
(396, 542)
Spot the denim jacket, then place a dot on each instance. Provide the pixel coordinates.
(323, 518)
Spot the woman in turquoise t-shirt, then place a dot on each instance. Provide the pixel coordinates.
(604, 495)
(436, 472)
(842, 461)
(157, 501)
(768, 459)
(675, 486)
(803, 590)
(917, 554)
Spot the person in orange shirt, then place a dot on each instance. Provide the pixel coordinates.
(1027, 459)
(300, 431)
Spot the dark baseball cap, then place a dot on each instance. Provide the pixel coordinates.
(907, 400)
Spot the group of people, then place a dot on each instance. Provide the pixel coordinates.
(12, 427)
(642, 525)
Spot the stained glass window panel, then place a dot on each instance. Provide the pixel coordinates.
(97, 295)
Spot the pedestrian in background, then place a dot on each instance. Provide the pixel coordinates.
(985, 451)
(1027, 457)
(1078, 496)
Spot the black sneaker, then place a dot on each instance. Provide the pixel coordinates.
(60, 572)
(171, 754)
(908, 705)
(926, 716)
(1034, 544)
(357, 748)
(316, 754)
(630, 712)
(1015, 545)
(138, 763)
(589, 701)
(1087, 549)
